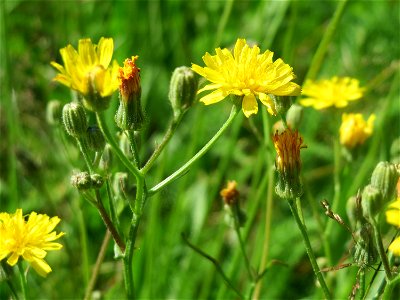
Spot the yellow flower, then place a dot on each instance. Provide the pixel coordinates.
(288, 163)
(88, 70)
(393, 217)
(29, 239)
(247, 73)
(336, 92)
(355, 130)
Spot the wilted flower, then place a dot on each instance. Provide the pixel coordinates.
(336, 92)
(230, 194)
(248, 74)
(355, 130)
(88, 71)
(393, 217)
(29, 239)
(288, 163)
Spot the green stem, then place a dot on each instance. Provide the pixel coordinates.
(110, 139)
(22, 278)
(198, 155)
(170, 132)
(216, 264)
(107, 221)
(361, 291)
(381, 249)
(113, 212)
(134, 149)
(323, 45)
(223, 21)
(388, 294)
(84, 150)
(310, 253)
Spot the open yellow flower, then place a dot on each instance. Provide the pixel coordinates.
(247, 73)
(89, 70)
(29, 239)
(336, 92)
(393, 217)
(355, 130)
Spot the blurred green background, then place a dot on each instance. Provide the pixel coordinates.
(36, 159)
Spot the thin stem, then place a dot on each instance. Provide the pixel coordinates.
(128, 257)
(134, 149)
(223, 21)
(216, 264)
(388, 293)
(361, 291)
(110, 139)
(170, 132)
(84, 150)
(198, 155)
(22, 278)
(323, 45)
(109, 224)
(96, 269)
(310, 253)
(113, 213)
(381, 249)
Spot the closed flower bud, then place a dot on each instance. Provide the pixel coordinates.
(281, 104)
(182, 89)
(81, 181)
(365, 252)
(384, 178)
(74, 119)
(294, 116)
(129, 115)
(97, 181)
(371, 201)
(53, 112)
(106, 159)
(95, 138)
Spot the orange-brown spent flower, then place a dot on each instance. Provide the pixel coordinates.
(230, 194)
(129, 78)
(288, 162)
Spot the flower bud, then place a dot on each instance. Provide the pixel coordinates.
(371, 201)
(95, 138)
(182, 89)
(281, 104)
(74, 119)
(97, 181)
(230, 194)
(129, 115)
(53, 112)
(106, 159)
(294, 116)
(288, 164)
(365, 252)
(384, 178)
(81, 181)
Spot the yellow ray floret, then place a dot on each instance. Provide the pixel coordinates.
(246, 73)
(393, 217)
(28, 239)
(354, 130)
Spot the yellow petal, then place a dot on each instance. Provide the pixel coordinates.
(87, 52)
(249, 105)
(41, 267)
(105, 51)
(395, 247)
(267, 101)
(213, 97)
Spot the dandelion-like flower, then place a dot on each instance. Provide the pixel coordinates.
(393, 217)
(355, 130)
(29, 238)
(336, 92)
(288, 163)
(246, 73)
(89, 71)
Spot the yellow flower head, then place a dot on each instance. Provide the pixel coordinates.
(355, 130)
(247, 73)
(29, 239)
(393, 217)
(88, 70)
(129, 78)
(336, 92)
(288, 163)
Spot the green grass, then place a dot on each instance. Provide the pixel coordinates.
(37, 159)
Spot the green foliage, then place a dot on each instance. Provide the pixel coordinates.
(37, 159)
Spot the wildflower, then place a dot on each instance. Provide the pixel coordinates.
(29, 239)
(393, 217)
(288, 163)
(248, 74)
(129, 114)
(336, 92)
(230, 194)
(355, 130)
(89, 72)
